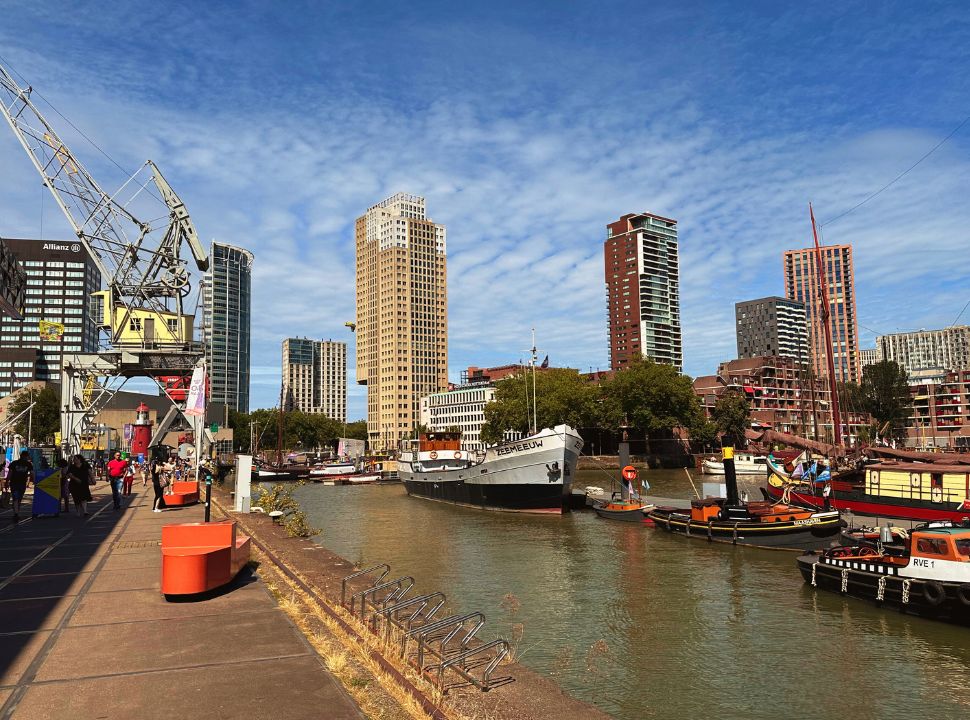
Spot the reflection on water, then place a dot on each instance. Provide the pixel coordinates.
(645, 624)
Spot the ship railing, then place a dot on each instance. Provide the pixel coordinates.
(361, 573)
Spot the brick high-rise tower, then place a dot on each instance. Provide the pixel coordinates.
(643, 290)
(402, 315)
(801, 283)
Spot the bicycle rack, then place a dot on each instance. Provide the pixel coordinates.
(415, 618)
(343, 583)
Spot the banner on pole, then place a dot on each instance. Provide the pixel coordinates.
(195, 404)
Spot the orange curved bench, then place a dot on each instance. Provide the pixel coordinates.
(183, 493)
(198, 557)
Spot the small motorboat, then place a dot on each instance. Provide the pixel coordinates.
(616, 508)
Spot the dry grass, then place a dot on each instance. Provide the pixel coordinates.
(378, 694)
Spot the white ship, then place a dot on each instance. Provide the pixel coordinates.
(533, 474)
(744, 464)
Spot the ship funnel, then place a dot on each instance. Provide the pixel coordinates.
(885, 534)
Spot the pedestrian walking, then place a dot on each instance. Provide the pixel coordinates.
(80, 477)
(826, 495)
(129, 478)
(19, 473)
(160, 480)
(117, 467)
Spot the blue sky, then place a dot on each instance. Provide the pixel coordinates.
(528, 127)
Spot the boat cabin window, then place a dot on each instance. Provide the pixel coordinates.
(760, 461)
(931, 547)
(937, 479)
(963, 547)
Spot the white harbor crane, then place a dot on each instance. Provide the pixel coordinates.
(140, 314)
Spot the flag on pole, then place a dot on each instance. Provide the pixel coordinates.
(545, 363)
(195, 405)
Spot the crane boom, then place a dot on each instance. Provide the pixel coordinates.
(140, 264)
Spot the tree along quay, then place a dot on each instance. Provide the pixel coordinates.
(530, 695)
(640, 623)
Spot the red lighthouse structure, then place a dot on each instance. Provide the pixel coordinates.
(141, 432)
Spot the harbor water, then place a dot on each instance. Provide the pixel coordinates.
(645, 624)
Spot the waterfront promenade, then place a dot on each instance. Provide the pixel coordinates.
(86, 633)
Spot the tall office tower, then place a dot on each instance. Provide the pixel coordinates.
(643, 290)
(868, 356)
(771, 326)
(60, 277)
(402, 315)
(948, 348)
(801, 284)
(315, 377)
(227, 296)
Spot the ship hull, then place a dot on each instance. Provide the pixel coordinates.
(532, 475)
(814, 533)
(946, 601)
(858, 502)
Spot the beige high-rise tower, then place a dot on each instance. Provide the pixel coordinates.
(402, 315)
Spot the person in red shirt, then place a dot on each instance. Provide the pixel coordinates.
(117, 468)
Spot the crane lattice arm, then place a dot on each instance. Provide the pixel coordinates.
(140, 265)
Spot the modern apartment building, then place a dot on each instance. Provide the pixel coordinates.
(940, 415)
(948, 348)
(868, 356)
(802, 284)
(643, 290)
(59, 277)
(13, 283)
(315, 377)
(402, 314)
(462, 408)
(772, 326)
(227, 312)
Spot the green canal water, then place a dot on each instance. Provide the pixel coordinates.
(644, 624)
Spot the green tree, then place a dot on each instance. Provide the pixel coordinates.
(562, 396)
(239, 422)
(44, 420)
(885, 393)
(652, 398)
(356, 430)
(732, 415)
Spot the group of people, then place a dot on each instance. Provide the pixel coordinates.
(78, 476)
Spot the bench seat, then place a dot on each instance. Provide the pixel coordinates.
(183, 493)
(198, 557)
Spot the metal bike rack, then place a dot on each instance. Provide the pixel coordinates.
(415, 618)
(343, 583)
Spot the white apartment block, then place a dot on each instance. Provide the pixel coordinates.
(315, 377)
(948, 348)
(463, 408)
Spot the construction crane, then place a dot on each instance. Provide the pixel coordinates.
(147, 280)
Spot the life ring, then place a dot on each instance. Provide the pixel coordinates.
(433, 455)
(937, 495)
(933, 592)
(914, 480)
(963, 594)
(457, 455)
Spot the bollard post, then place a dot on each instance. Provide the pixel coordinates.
(208, 494)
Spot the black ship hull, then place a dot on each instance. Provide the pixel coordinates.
(882, 585)
(815, 534)
(531, 497)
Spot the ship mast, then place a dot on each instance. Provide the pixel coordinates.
(826, 323)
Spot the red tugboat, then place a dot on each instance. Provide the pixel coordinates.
(929, 578)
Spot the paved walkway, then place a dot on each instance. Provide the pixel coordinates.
(86, 633)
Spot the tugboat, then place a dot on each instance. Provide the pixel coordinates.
(930, 578)
(533, 474)
(761, 524)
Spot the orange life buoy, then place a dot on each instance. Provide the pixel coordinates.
(458, 455)
(434, 455)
